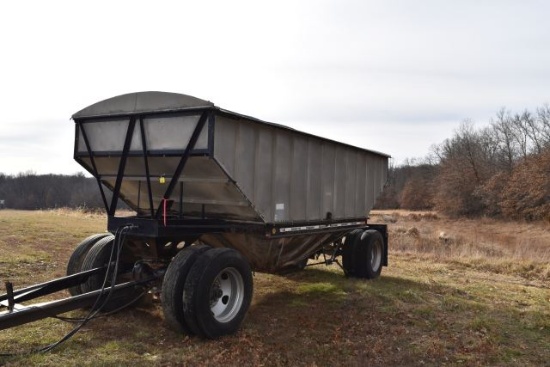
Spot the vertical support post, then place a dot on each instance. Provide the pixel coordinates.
(122, 166)
(183, 161)
(181, 200)
(139, 195)
(146, 162)
(9, 293)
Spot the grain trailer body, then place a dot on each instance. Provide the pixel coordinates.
(215, 195)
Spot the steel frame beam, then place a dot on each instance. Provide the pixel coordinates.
(183, 161)
(25, 314)
(42, 289)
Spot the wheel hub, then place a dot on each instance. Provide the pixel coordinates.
(226, 295)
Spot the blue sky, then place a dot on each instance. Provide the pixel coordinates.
(392, 76)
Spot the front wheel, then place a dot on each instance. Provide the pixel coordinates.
(79, 254)
(217, 293)
(100, 255)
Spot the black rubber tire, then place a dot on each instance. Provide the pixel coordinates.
(77, 258)
(369, 255)
(99, 256)
(348, 252)
(173, 284)
(216, 264)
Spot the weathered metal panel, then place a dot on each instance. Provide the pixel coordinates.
(340, 178)
(370, 181)
(314, 186)
(328, 164)
(107, 166)
(245, 161)
(81, 146)
(246, 170)
(294, 177)
(281, 176)
(172, 133)
(106, 136)
(263, 173)
(350, 183)
(298, 179)
(225, 138)
(360, 183)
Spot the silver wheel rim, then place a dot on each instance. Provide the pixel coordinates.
(376, 255)
(226, 295)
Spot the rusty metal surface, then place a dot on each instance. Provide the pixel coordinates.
(271, 255)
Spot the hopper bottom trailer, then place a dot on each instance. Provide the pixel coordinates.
(215, 195)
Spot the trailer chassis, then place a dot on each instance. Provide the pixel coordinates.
(17, 314)
(146, 277)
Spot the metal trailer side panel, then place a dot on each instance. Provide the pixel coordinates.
(369, 178)
(282, 176)
(376, 174)
(292, 176)
(360, 183)
(225, 143)
(314, 186)
(263, 172)
(299, 178)
(328, 165)
(244, 161)
(340, 178)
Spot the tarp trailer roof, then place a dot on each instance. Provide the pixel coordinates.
(256, 195)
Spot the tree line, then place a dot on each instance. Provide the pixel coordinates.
(501, 170)
(30, 191)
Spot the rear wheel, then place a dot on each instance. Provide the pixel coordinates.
(363, 254)
(348, 251)
(369, 254)
(77, 258)
(173, 284)
(217, 293)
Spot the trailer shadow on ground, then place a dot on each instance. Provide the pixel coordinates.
(395, 320)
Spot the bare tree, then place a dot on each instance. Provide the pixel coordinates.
(543, 124)
(466, 162)
(506, 144)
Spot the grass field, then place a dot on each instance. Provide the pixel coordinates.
(477, 294)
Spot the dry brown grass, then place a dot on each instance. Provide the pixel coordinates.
(516, 248)
(425, 310)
